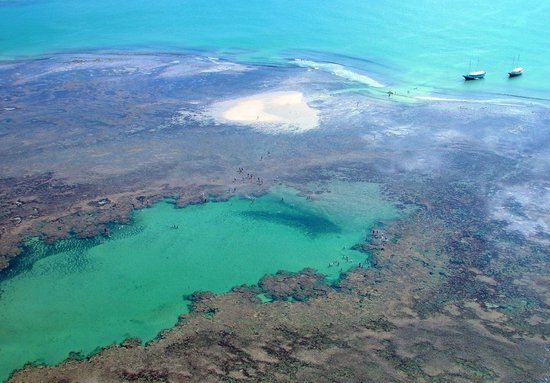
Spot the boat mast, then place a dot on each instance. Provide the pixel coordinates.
(515, 63)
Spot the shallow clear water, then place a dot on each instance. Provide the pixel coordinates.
(84, 294)
(401, 44)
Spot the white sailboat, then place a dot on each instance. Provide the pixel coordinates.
(518, 71)
(474, 75)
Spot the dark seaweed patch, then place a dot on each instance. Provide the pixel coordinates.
(33, 251)
(311, 224)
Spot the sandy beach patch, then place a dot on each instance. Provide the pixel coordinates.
(271, 112)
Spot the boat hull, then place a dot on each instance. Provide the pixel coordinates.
(477, 75)
(468, 77)
(516, 72)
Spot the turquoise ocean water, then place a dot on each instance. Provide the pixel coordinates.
(423, 43)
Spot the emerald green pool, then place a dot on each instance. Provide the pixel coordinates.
(78, 295)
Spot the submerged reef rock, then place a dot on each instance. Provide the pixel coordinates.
(296, 286)
(201, 302)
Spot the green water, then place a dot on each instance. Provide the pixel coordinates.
(84, 294)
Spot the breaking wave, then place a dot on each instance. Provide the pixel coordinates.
(339, 71)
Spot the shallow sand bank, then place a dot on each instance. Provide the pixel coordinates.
(271, 112)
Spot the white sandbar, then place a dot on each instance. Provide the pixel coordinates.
(271, 112)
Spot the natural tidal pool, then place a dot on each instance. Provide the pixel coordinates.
(77, 295)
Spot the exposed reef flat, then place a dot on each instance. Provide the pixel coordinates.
(459, 292)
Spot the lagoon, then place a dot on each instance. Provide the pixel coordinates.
(79, 295)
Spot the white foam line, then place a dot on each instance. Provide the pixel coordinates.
(430, 98)
(475, 101)
(339, 71)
